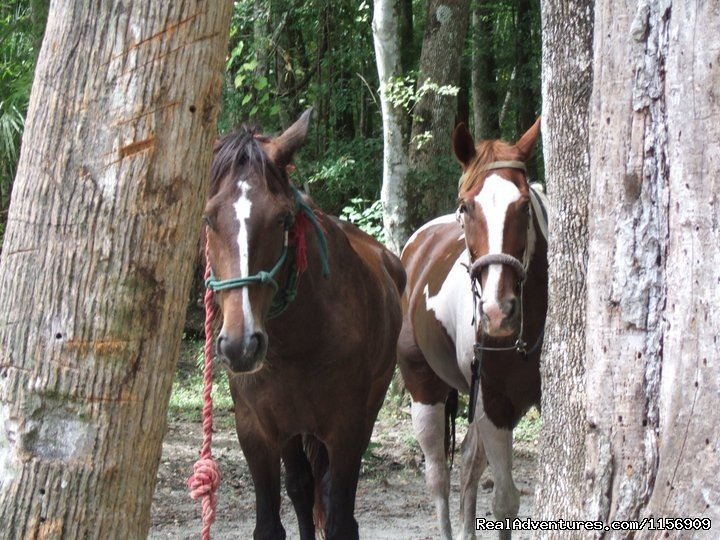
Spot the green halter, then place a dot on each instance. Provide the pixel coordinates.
(284, 297)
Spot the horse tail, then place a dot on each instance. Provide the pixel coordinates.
(319, 463)
(451, 411)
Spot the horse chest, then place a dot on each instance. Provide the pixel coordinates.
(443, 328)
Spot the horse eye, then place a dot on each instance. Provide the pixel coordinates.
(462, 208)
(207, 221)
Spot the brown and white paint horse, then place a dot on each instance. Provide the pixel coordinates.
(477, 290)
(307, 384)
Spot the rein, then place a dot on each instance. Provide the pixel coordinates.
(283, 298)
(475, 270)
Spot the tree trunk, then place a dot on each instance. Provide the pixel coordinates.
(395, 159)
(98, 259)
(525, 90)
(408, 52)
(434, 114)
(567, 84)
(653, 376)
(463, 97)
(261, 41)
(484, 85)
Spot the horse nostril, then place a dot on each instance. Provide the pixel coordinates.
(219, 345)
(257, 343)
(252, 346)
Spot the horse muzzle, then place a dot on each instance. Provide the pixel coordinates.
(500, 319)
(244, 354)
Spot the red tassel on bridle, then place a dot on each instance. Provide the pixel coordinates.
(298, 240)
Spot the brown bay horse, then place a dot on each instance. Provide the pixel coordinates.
(475, 303)
(311, 315)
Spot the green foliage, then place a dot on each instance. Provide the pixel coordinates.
(517, 55)
(347, 170)
(186, 400)
(528, 430)
(366, 215)
(404, 92)
(21, 27)
(438, 182)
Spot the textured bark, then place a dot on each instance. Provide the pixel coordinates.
(567, 84)
(653, 371)
(395, 159)
(689, 444)
(443, 43)
(98, 257)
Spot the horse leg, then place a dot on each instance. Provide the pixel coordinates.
(344, 470)
(264, 464)
(498, 446)
(429, 393)
(429, 427)
(300, 485)
(473, 463)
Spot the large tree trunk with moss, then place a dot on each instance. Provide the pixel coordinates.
(97, 261)
(567, 84)
(434, 114)
(653, 375)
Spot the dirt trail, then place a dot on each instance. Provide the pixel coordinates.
(392, 501)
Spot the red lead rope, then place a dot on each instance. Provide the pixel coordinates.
(205, 480)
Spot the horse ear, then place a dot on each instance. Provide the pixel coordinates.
(527, 142)
(285, 145)
(463, 145)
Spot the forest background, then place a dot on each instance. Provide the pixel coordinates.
(284, 57)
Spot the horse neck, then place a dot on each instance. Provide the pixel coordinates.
(312, 285)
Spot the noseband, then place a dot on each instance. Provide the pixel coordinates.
(282, 299)
(475, 271)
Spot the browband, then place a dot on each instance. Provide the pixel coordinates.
(504, 165)
(497, 165)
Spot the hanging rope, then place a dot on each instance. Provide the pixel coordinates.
(205, 480)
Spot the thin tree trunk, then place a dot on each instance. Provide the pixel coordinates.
(463, 98)
(526, 95)
(98, 260)
(567, 83)
(484, 85)
(653, 376)
(524, 83)
(261, 34)
(395, 159)
(408, 56)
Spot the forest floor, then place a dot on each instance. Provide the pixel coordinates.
(392, 500)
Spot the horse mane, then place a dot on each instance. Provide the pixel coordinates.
(239, 150)
(486, 152)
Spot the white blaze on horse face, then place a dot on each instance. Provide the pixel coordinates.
(494, 198)
(243, 206)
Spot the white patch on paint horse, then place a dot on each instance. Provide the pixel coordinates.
(452, 307)
(243, 206)
(494, 198)
(429, 426)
